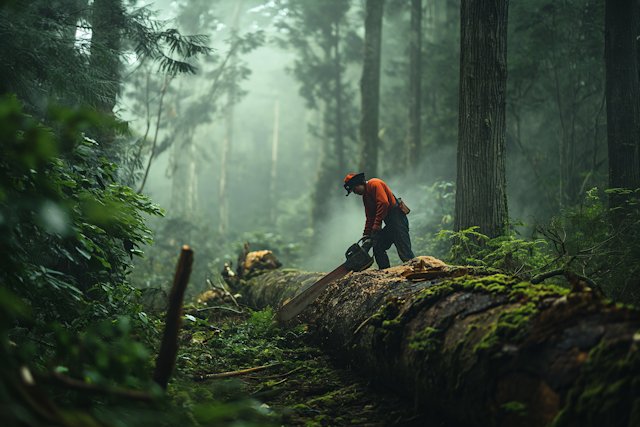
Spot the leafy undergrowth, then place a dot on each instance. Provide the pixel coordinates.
(300, 386)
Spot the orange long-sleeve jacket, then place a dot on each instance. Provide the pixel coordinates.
(377, 199)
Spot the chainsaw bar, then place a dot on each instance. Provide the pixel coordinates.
(305, 297)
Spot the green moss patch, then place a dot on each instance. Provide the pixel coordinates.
(512, 326)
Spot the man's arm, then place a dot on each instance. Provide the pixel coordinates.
(368, 224)
(382, 205)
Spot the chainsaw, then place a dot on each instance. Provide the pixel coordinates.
(357, 260)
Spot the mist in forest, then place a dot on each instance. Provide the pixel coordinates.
(255, 145)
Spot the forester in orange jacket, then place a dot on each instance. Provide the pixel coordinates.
(380, 205)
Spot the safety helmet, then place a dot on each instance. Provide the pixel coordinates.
(352, 180)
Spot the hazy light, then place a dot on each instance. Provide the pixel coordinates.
(53, 218)
(83, 37)
(131, 57)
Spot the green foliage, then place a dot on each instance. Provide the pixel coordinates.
(515, 407)
(105, 354)
(252, 342)
(599, 244)
(154, 41)
(212, 250)
(65, 223)
(47, 48)
(432, 214)
(509, 253)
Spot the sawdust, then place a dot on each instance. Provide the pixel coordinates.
(429, 262)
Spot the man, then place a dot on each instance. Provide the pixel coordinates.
(381, 205)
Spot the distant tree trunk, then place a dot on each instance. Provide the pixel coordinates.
(106, 24)
(487, 350)
(274, 161)
(481, 185)
(183, 176)
(223, 198)
(370, 89)
(620, 44)
(415, 77)
(223, 224)
(338, 98)
(321, 195)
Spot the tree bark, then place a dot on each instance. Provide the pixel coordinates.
(370, 89)
(483, 349)
(622, 96)
(415, 77)
(106, 25)
(481, 184)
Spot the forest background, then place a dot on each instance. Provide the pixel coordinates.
(215, 123)
(293, 202)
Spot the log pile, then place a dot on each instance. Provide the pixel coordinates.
(484, 348)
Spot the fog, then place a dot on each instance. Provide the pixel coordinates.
(219, 180)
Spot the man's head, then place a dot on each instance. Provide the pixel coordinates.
(355, 182)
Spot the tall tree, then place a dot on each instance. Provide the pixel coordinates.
(370, 89)
(274, 162)
(107, 24)
(481, 183)
(415, 79)
(555, 103)
(620, 53)
(325, 41)
(223, 224)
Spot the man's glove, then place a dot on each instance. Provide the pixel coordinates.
(368, 242)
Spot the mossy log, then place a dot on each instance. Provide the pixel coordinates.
(485, 349)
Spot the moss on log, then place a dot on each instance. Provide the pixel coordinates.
(485, 349)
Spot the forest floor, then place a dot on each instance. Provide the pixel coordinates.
(302, 386)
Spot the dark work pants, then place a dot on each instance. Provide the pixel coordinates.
(395, 232)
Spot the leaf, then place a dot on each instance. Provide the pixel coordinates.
(143, 316)
(83, 253)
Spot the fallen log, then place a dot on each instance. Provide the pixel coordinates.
(485, 349)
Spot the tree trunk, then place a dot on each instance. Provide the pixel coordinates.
(274, 161)
(415, 77)
(326, 173)
(106, 23)
(370, 89)
(337, 66)
(484, 349)
(183, 195)
(481, 185)
(622, 96)
(223, 224)
(223, 198)
(321, 195)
